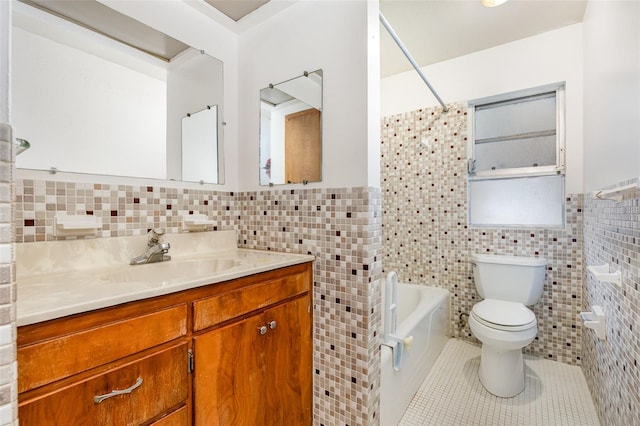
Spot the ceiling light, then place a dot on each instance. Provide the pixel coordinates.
(492, 3)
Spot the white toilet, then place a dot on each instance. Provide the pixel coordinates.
(502, 321)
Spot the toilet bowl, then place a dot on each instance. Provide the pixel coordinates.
(502, 321)
(503, 332)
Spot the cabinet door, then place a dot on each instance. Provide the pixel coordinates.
(256, 371)
(229, 379)
(288, 357)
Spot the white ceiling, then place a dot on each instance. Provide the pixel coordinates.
(436, 30)
(237, 9)
(432, 30)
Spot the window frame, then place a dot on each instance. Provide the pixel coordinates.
(557, 169)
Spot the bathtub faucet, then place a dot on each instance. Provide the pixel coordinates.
(390, 339)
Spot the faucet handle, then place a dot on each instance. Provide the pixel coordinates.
(154, 236)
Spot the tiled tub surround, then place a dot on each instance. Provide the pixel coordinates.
(426, 238)
(340, 227)
(8, 377)
(612, 367)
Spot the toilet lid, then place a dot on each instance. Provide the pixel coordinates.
(502, 313)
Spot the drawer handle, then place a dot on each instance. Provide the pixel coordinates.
(272, 325)
(262, 330)
(99, 398)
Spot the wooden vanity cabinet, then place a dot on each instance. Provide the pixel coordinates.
(231, 353)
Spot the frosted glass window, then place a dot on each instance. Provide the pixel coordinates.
(517, 116)
(516, 133)
(517, 202)
(516, 153)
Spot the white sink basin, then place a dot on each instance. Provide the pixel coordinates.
(59, 287)
(172, 270)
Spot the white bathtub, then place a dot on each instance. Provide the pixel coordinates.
(423, 312)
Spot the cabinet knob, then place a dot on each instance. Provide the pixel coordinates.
(272, 325)
(262, 330)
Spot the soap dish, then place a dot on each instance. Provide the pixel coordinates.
(65, 225)
(595, 320)
(196, 222)
(603, 273)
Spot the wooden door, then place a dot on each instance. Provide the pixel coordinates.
(303, 146)
(289, 363)
(229, 379)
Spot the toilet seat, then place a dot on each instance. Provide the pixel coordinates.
(503, 315)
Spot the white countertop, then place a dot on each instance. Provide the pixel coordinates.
(44, 296)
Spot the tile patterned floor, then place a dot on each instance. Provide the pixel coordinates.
(555, 394)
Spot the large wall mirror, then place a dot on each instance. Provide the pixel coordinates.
(90, 104)
(291, 131)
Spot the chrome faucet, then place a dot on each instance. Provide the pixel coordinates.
(156, 249)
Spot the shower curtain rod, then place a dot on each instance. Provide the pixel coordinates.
(415, 65)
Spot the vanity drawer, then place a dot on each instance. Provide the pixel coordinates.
(180, 417)
(164, 386)
(216, 309)
(53, 359)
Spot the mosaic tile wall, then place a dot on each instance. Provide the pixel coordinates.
(8, 364)
(125, 210)
(612, 235)
(340, 227)
(427, 241)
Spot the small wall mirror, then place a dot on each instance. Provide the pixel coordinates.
(200, 145)
(194, 109)
(291, 131)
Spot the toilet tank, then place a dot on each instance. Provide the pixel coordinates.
(510, 278)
